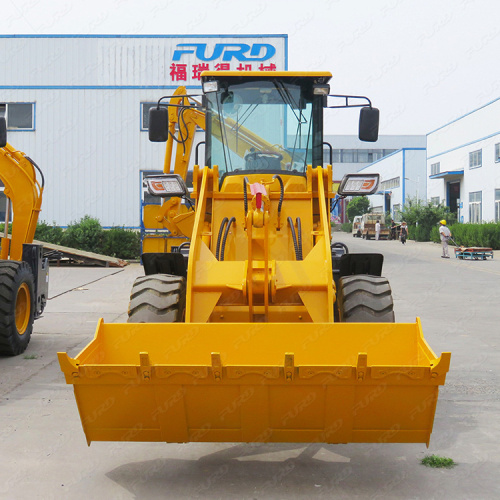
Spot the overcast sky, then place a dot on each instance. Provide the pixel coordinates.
(423, 63)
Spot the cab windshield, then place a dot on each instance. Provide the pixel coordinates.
(264, 125)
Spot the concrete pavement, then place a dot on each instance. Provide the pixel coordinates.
(44, 453)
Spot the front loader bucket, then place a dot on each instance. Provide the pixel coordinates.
(262, 382)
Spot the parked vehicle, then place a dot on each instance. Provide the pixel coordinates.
(368, 222)
(356, 226)
(24, 272)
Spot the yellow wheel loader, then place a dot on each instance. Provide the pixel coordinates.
(24, 273)
(252, 327)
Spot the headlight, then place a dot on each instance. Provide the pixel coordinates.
(211, 86)
(358, 184)
(321, 89)
(166, 185)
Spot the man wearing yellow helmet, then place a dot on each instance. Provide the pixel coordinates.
(445, 234)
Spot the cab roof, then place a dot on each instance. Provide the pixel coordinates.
(318, 76)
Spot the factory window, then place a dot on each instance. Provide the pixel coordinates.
(145, 107)
(497, 152)
(378, 210)
(435, 168)
(396, 212)
(390, 184)
(19, 115)
(355, 155)
(475, 158)
(475, 202)
(497, 205)
(349, 156)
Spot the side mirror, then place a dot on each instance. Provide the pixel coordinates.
(358, 184)
(368, 124)
(158, 124)
(3, 132)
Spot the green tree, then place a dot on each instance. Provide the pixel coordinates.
(357, 206)
(422, 217)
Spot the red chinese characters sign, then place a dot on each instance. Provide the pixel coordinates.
(179, 72)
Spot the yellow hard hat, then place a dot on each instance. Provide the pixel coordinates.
(442, 222)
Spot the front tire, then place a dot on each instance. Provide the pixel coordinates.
(17, 307)
(157, 298)
(365, 299)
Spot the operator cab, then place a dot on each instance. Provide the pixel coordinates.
(262, 122)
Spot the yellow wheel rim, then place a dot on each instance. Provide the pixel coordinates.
(23, 310)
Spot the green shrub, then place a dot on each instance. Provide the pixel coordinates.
(346, 227)
(86, 234)
(480, 235)
(472, 235)
(435, 235)
(2, 228)
(49, 234)
(122, 243)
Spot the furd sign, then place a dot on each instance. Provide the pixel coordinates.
(227, 51)
(191, 56)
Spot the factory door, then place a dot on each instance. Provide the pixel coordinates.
(453, 196)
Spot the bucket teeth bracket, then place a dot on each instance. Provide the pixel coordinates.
(362, 366)
(216, 366)
(289, 366)
(145, 366)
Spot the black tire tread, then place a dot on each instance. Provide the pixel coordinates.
(12, 275)
(157, 298)
(365, 299)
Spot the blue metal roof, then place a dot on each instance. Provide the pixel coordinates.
(446, 174)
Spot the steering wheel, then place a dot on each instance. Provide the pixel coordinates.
(340, 245)
(266, 160)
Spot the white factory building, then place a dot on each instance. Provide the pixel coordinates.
(77, 105)
(463, 164)
(402, 177)
(350, 155)
(457, 166)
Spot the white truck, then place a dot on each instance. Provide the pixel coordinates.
(356, 226)
(368, 222)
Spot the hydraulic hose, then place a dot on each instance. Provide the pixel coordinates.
(226, 232)
(219, 237)
(282, 193)
(294, 238)
(245, 198)
(299, 237)
(38, 168)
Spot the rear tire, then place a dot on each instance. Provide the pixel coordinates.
(157, 298)
(17, 307)
(365, 299)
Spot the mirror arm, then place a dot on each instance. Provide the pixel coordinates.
(349, 105)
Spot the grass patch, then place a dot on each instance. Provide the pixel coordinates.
(437, 462)
(30, 356)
